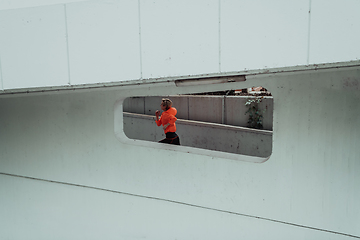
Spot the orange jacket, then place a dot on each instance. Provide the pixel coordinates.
(168, 117)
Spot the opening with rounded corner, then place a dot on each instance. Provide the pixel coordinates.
(233, 121)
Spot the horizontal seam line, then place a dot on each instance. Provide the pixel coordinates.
(181, 203)
(137, 82)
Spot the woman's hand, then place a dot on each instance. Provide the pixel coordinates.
(157, 113)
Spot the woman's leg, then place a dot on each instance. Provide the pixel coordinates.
(171, 138)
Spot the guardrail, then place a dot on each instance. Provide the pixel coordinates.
(212, 136)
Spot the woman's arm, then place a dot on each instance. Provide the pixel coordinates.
(172, 120)
(166, 125)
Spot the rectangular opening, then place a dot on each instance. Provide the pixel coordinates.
(237, 122)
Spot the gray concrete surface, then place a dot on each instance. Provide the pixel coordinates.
(230, 110)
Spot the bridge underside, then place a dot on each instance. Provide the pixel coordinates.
(69, 171)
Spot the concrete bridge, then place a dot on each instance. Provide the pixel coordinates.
(68, 170)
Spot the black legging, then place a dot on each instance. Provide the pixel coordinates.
(171, 138)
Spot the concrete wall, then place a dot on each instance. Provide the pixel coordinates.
(69, 172)
(197, 134)
(72, 42)
(229, 110)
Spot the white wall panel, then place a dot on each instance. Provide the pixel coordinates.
(335, 34)
(258, 34)
(13, 4)
(118, 40)
(33, 47)
(103, 41)
(179, 37)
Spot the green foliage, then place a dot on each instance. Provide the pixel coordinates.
(255, 114)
